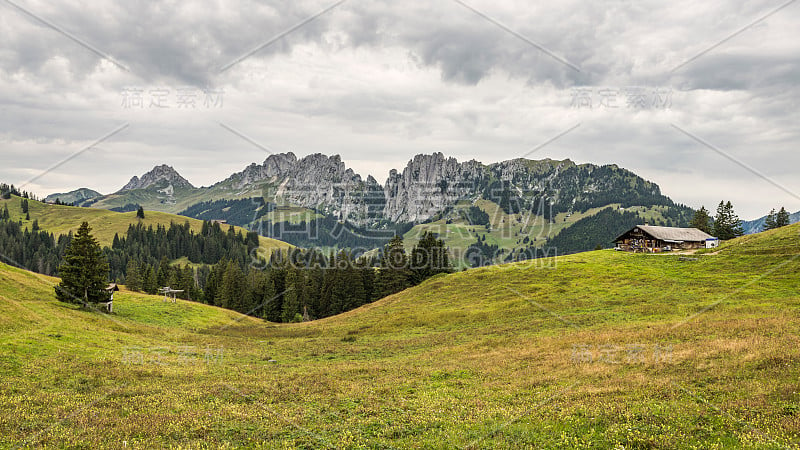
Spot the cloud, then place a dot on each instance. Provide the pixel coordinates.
(378, 82)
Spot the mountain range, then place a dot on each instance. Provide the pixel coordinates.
(428, 185)
(520, 195)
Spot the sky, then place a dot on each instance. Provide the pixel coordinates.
(700, 97)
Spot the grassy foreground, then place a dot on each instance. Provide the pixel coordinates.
(595, 350)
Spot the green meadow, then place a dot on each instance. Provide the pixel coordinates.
(60, 219)
(595, 350)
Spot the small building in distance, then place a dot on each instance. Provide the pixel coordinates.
(651, 239)
(219, 221)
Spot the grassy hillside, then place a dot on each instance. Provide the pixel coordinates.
(508, 231)
(594, 350)
(59, 219)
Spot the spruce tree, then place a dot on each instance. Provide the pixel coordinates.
(394, 275)
(263, 291)
(149, 282)
(132, 279)
(701, 220)
(140, 213)
(769, 221)
(84, 272)
(782, 218)
(429, 257)
(294, 296)
(162, 276)
(727, 224)
(188, 283)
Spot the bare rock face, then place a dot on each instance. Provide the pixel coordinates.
(428, 185)
(162, 176)
(316, 181)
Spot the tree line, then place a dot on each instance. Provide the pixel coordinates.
(223, 269)
(299, 284)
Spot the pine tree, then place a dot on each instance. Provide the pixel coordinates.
(188, 284)
(770, 220)
(294, 297)
(234, 293)
(701, 220)
(132, 279)
(6, 214)
(140, 213)
(84, 273)
(727, 224)
(277, 278)
(429, 257)
(24, 205)
(263, 291)
(149, 282)
(162, 276)
(213, 282)
(782, 218)
(394, 275)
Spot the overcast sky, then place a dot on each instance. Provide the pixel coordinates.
(699, 97)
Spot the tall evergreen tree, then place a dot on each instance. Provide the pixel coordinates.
(162, 276)
(770, 220)
(234, 293)
(149, 281)
(782, 218)
(294, 298)
(701, 220)
(394, 275)
(263, 291)
(132, 279)
(428, 258)
(84, 272)
(140, 213)
(727, 224)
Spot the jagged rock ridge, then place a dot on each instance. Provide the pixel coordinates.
(161, 176)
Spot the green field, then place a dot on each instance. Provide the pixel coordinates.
(59, 219)
(594, 350)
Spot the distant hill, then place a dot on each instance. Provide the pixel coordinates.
(75, 197)
(60, 219)
(757, 225)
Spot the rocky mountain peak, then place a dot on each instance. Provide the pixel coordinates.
(162, 174)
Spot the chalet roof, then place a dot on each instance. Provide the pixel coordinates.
(673, 233)
(112, 287)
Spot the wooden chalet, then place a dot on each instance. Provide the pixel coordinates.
(651, 239)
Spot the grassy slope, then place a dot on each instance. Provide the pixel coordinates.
(483, 358)
(508, 231)
(58, 219)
